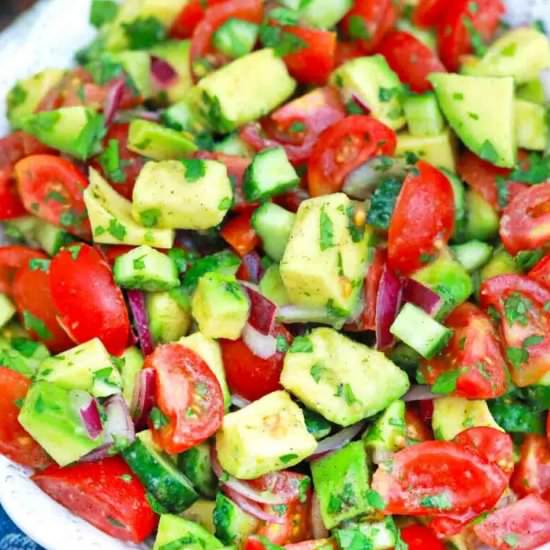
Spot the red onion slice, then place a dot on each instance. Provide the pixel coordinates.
(128, 116)
(360, 102)
(262, 311)
(337, 440)
(420, 393)
(261, 345)
(144, 397)
(253, 508)
(318, 529)
(239, 402)
(119, 422)
(242, 487)
(113, 100)
(388, 302)
(136, 299)
(97, 454)
(87, 408)
(252, 263)
(300, 314)
(422, 296)
(164, 75)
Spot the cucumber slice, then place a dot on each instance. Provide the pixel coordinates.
(483, 221)
(51, 238)
(423, 115)
(418, 330)
(145, 268)
(269, 174)
(236, 37)
(169, 487)
(197, 466)
(273, 224)
(473, 254)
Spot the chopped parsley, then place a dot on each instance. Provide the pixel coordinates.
(36, 325)
(195, 169)
(150, 217)
(375, 500)
(386, 94)
(517, 356)
(326, 231)
(511, 539)
(357, 28)
(116, 229)
(537, 170)
(74, 251)
(438, 502)
(282, 42)
(225, 203)
(285, 459)
(446, 382)
(282, 344)
(39, 264)
(102, 11)
(144, 32)
(344, 391)
(316, 372)
(110, 161)
(516, 308)
(284, 16)
(526, 259)
(301, 344)
(383, 202)
(488, 152)
(476, 40)
(157, 418)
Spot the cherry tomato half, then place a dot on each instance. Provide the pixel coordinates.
(17, 146)
(541, 272)
(423, 218)
(295, 527)
(188, 394)
(418, 537)
(52, 188)
(88, 302)
(532, 473)
(342, 148)
(105, 493)
(474, 350)
(13, 258)
(15, 442)
(239, 233)
(190, 16)
(429, 13)
(10, 203)
(412, 60)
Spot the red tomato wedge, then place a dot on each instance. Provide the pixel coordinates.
(423, 218)
(418, 537)
(523, 525)
(412, 60)
(416, 429)
(495, 446)
(17, 146)
(247, 374)
(13, 258)
(15, 443)
(532, 473)
(289, 486)
(105, 493)
(33, 298)
(429, 13)
(313, 63)
(239, 233)
(88, 302)
(474, 349)
(525, 224)
(346, 51)
(524, 324)
(10, 203)
(541, 272)
(438, 478)
(488, 180)
(296, 526)
(52, 188)
(369, 20)
(190, 16)
(188, 394)
(344, 147)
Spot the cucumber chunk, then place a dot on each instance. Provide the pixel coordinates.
(236, 37)
(273, 225)
(473, 254)
(423, 115)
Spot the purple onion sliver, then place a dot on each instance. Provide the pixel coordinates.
(337, 440)
(89, 413)
(360, 102)
(97, 454)
(119, 423)
(145, 400)
(262, 311)
(113, 100)
(253, 508)
(319, 531)
(136, 299)
(420, 392)
(253, 264)
(422, 296)
(162, 72)
(388, 302)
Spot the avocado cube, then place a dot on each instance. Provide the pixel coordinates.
(76, 131)
(7, 310)
(341, 481)
(220, 306)
(137, 65)
(531, 125)
(209, 351)
(156, 142)
(342, 380)
(85, 367)
(201, 512)
(176, 53)
(388, 431)
(232, 523)
(325, 260)
(50, 417)
(482, 220)
(501, 263)
(376, 535)
(438, 150)
(111, 218)
(130, 364)
(168, 321)
(481, 112)
(192, 194)
(230, 98)
(453, 415)
(268, 435)
(174, 529)
(376, 85)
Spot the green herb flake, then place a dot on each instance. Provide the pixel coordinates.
(157, 418)
(284, 16)
(24, 346)
(297, 127)
(532, 341)
(517, 356)
(386, 94)
(516, 309)
(510, 50)
(285, 459)
(511, 539)
(375, 499)
(437, 502)
(526, 259)
(535, 170)
(139, 263)
(282, 42)
(446, 382)
(127, 478)
(16, 96)
(488, 152)
(39, 264)
(111, 163)
(117, 230)
(282, 344)
(195, 169)
(102, 11)
(316, 372)
(74, 251)
(326, 239)
(383, 203)
(225, 204)
(458, 96)
(36, 325)
(301, 344)
(476, 40)
(144, 32)
(353, 108)
(357, 28)
(150, 217)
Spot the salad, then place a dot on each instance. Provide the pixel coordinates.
(279, 276)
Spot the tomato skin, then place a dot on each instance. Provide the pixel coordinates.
(418, 537)
(532, 473)
(105, 493)
(88, 302)
(525, 224)
(526, 519)
(32, 295)
(493, 445)
(248, 375)
(285, 484)
(342, 148)
(313, 63)
(541, 272)
(239, 233)
(416, 429)
(471, 484)
(483, 176)
(10, 203)
(536, 322)
(429, 12)
(296, 527)
(53, 188)
(412, 60)
(131, 162)
(423, 218)
(189, 17)
(346, 51)
(474, 348)
(215, 16)
(378, 18)
(15, 443)
(18, 145)
(13, 258)
(453, 37)
(179, 372)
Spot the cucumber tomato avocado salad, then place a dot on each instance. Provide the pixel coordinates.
(280, 276)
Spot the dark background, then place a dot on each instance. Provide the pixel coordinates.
(9, 9)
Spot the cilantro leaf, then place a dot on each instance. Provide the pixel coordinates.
(102, 11)
(446, 382)
(144, 32)
(195, 169)
(326, 227)
(301, 344)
